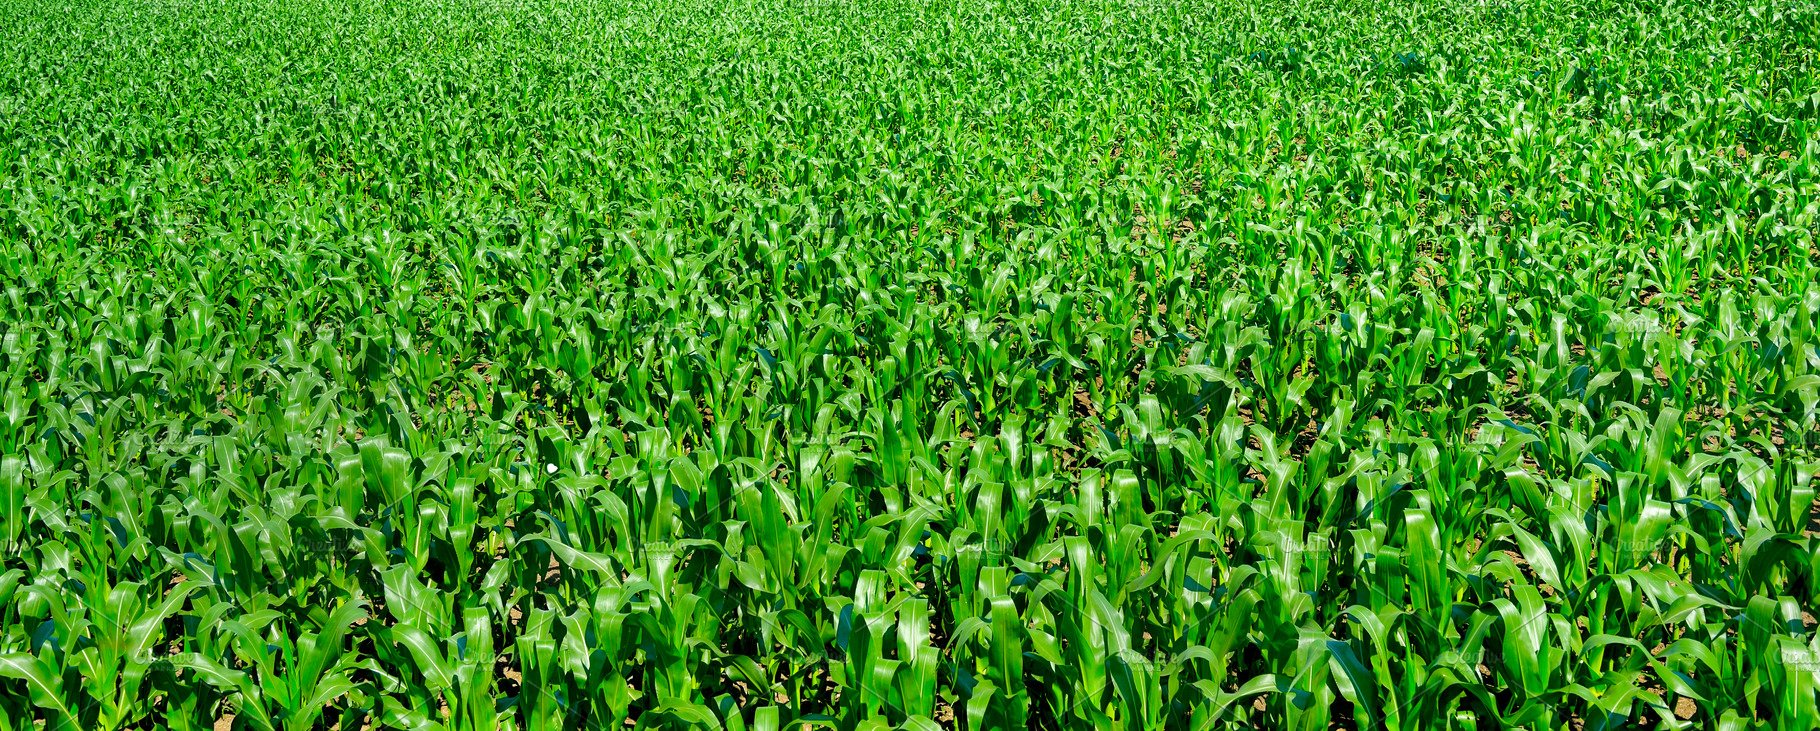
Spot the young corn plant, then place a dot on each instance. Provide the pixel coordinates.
(563, 366)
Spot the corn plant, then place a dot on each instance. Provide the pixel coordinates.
(1111, 364)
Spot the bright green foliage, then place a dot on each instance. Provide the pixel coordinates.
(464, 364)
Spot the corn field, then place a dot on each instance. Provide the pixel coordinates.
(548, 365)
